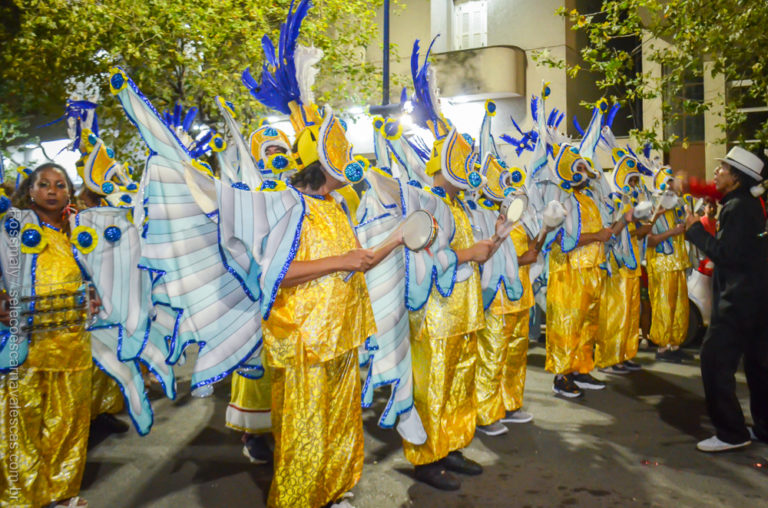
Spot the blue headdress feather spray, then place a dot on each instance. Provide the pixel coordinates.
(279, 86)
(424, 107)
(181, 123)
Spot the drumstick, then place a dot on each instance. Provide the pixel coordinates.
(381, 246)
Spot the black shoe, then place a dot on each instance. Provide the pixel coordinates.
(565, 386)
(632, 366)
(458, 463)
(616, 369)
(256, 449)
(435, 475)
(111, 423)
(684, 357)
(668, 356)
(756, 435)
(587, 382)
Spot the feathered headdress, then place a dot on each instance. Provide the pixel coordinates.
(426, 98)
(500, 180)
(182, 124)
(287, 77)
(102, 174)
(452, 152)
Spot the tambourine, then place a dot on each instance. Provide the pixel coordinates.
(553, 215)
(55, 310)
(513, 207)
(668, 200)
(643, 211)
(419, 230)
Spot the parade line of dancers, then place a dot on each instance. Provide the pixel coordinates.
(295, 266)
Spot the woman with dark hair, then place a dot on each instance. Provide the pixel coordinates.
(47, 408)
(739, 325)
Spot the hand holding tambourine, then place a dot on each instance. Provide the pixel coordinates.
(511, 211)
(417, 232)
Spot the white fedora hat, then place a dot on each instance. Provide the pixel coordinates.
(745, 161)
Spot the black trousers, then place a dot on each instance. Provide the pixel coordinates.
(726, 342)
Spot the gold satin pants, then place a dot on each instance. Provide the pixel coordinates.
(249, 404)
(618, 334)
(106, 396)
(513, 376)
(318, 428)
(44, 427)
(668, 292)
(573, 301)
(501, 359)
(443, 394)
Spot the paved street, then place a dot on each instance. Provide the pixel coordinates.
(632, 444)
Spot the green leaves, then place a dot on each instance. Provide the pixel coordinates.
(176, 50)
(680, 35)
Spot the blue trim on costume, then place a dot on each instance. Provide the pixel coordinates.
(126, 399)
(223, 257)
(266, 309)
(227, 372)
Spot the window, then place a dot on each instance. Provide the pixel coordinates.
(470, 27)
(687, 125)
(755, 111)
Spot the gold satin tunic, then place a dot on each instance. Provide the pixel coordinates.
(311, 339)
(443, 353)
(573, 298)
(668, 291)
(46, 401)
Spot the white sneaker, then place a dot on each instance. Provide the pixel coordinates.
(494, 429)
(713, 444)
(342, 504)
(517, 416)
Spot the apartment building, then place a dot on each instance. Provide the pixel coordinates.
(485, 51)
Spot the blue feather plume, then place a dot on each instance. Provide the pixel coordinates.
(647, 150)
(517, 127)
(189, 118)
(612, 114)
(423, 108)
(577, 126)
(419, 147)
(559, 119)
(279, 86)
(552, 117)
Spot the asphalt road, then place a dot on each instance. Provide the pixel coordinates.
(632, 444)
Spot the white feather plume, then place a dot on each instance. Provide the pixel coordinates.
(305, 60)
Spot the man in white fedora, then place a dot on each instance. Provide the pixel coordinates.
(739, 324)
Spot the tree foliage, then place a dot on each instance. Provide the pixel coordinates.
(185, 51)
(726, 38)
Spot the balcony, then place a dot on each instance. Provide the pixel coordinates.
(494, 72)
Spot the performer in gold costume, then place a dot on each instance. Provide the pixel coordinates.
(443, 335)
(46, 400)
(319, 315)
(503, 344)
(619, 329)
(575, 279)
(666, 261)
(251, 398)
(518, 319)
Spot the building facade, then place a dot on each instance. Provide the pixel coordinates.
(485, 48)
